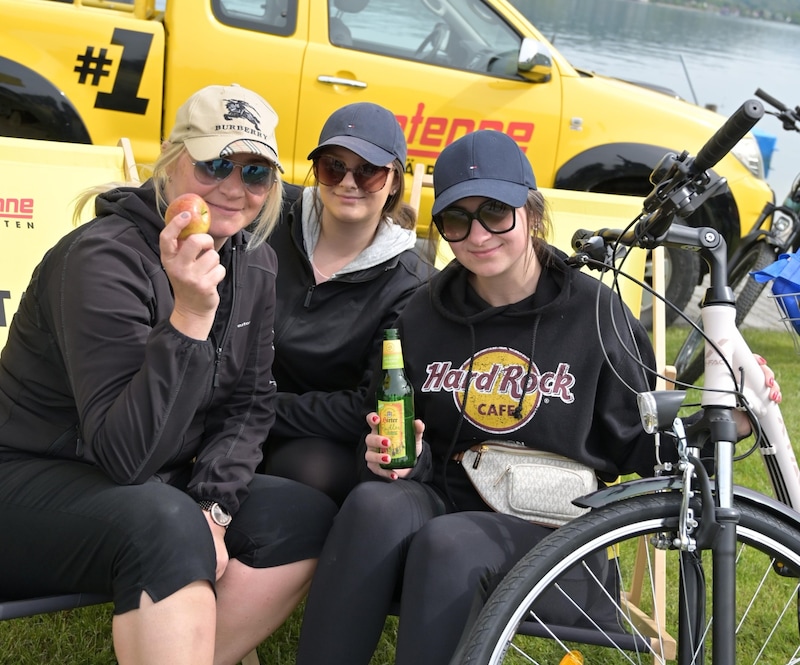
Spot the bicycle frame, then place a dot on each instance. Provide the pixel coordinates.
(783, 232)
(733, 379)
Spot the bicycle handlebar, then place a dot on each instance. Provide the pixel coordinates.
(789, 117)
(727, 136)
(680, 185)
(769, 99)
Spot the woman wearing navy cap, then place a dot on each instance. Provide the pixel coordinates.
(347, 267)
(508, 306)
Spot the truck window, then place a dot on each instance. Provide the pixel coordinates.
(277, 17)
(459, 34)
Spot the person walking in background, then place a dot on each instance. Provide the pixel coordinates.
(135, 392)
(347, 268)
(496, 348)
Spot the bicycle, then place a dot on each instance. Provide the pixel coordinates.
(681, 518)
(762, 245)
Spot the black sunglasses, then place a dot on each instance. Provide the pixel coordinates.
(368, 177)
(257, 178)
(455, 223)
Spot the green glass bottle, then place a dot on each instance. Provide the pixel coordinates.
(396, 405)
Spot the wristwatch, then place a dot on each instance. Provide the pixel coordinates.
(217, 512)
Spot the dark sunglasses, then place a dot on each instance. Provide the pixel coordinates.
(368, 177)
(257, 178)
(454, 223)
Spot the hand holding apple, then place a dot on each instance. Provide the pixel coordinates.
(196, 207)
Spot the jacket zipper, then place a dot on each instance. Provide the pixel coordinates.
(221, 345)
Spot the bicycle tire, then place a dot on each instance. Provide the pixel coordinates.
(495, 637)
(689, 362)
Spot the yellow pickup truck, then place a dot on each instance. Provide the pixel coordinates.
(92, 71)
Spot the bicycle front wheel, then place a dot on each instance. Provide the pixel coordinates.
(628, 613)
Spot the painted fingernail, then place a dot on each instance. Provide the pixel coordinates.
(385, 442)
(393, 476)
(385, 459)
(771, 382)
(375, 420)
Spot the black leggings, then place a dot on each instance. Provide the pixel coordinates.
(323, 464)
(398, 536)
(74, 530)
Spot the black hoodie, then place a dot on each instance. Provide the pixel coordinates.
(535, 372)
(94, 371)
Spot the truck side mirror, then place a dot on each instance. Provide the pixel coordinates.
(534, 61)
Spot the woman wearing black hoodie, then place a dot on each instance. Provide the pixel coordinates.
(500, 345)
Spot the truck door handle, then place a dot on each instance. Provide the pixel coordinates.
(335, 80)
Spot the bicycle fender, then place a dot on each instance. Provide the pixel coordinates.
(629, 489)
(639, 486)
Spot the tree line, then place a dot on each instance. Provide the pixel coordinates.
(786, 11)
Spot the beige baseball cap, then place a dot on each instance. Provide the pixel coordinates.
(219, 121)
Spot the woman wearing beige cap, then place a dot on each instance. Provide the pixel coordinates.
(135, 390)
(347, 267)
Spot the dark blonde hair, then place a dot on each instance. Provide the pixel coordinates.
(540, 225)
(395, 209)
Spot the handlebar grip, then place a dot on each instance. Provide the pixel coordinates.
(769, 99)
(727, 136)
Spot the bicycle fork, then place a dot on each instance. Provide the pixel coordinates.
(716, 531)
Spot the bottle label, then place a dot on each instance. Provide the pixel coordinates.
(392, 426)
(392, 354)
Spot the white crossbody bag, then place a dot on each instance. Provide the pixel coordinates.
(534, 485)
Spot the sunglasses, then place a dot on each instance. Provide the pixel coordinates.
(330, 171)
(257, 178)
(454, 223)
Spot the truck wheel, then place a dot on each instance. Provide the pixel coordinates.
(681, 275)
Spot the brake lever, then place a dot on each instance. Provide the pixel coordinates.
(593, 252)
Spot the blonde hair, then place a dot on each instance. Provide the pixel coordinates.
(262, 226)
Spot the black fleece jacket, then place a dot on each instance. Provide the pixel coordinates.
(93, 371)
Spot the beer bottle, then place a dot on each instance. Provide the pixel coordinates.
(396, 405)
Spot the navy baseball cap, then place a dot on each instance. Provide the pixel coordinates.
(369, 130)
(484, 163)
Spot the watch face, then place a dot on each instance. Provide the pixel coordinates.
(220, 515)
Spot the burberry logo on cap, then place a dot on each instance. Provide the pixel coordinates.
(238, 108)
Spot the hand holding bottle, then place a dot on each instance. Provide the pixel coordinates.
(378, 449)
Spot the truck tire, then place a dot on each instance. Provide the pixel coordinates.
(681, 275)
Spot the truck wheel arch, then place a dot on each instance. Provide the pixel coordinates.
(624, 168)
(32, 107)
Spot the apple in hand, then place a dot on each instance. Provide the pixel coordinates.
(196, 207)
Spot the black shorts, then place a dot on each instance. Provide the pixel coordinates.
(69, 528)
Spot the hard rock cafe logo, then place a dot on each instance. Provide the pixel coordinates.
(503, 395)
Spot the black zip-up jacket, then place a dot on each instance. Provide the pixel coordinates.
(327, 334)
(93, 371)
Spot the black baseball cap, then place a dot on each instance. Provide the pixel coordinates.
(369, 130)
(484, 163)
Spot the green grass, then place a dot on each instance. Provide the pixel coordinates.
(83, 637)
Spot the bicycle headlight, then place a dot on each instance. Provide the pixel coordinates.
(749, 154)
(648, 412)
(659, 408)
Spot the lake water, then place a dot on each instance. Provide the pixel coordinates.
(704, 57)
